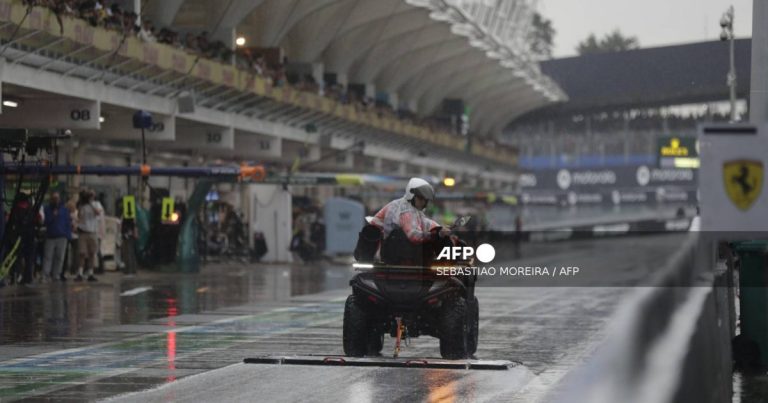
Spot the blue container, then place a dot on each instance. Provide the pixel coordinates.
(344, 218)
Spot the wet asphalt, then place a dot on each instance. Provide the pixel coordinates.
(182, 337)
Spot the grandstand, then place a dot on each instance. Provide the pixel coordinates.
(276, 81)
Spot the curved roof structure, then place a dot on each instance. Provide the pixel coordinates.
(649, 77)
(419, 52)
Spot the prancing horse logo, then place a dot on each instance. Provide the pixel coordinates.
(743, 180)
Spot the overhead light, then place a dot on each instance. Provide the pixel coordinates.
(101, 119)
(495, 55)
(440, 16)
(449, 182)
(480, 43)
(11, 104)
(464, 29)
(240, 41)
(510, 64)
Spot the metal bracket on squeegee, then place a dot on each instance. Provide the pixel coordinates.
(381, 362)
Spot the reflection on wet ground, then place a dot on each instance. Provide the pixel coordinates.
(91, 341)
(66, 312)
(57, 334)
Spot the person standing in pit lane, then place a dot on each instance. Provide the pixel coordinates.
(58, 232)
(88, 213)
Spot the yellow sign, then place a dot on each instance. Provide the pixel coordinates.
(167, 211)
(743, 180)
(349, 180)
(674, 149)
(129, 207)
(511, 200)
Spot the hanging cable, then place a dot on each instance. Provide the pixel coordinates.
(18, 28)
(126, 34)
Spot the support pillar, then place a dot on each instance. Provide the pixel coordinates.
(413, 105)
(318, 69)
(370, 90)
(758, 92)
(342, 79)
(402, 168)
(394, 100)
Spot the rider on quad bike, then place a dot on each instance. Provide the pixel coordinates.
(401, 295)
(404, 226)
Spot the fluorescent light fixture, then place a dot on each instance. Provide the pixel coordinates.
(439, 15)
(495, 55)
(479, 43)
(692, 163)
(240, 41)
(419, 3)
(510, 65)
(463, 29)
(11, 104)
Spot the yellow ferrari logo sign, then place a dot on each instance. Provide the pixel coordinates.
(743, 180)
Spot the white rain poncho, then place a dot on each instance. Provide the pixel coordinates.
(400, 213)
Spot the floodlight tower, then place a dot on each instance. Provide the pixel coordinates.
(726, 23)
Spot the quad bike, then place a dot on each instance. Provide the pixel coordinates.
(408, 299)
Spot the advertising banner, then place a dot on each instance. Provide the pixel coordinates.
(642, 176)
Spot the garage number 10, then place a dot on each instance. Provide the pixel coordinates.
(213, 138)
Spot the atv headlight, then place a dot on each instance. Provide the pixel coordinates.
(437, 285)
(368, 282)
(364, 266)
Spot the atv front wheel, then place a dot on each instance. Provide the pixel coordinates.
(453, 329)
(355, 334)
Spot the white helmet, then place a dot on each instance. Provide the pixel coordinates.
(418, 186)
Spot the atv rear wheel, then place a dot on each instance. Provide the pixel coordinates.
(453, 329)
(473, 325)
(355, 334)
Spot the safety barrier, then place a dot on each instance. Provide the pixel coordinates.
(608, 229)
(168, 58)
(669, 342)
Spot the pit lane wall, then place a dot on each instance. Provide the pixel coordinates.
(667, 343)
(610, 228)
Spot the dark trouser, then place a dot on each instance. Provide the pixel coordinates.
(72, 256)
(128, 255)
(25, 264)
